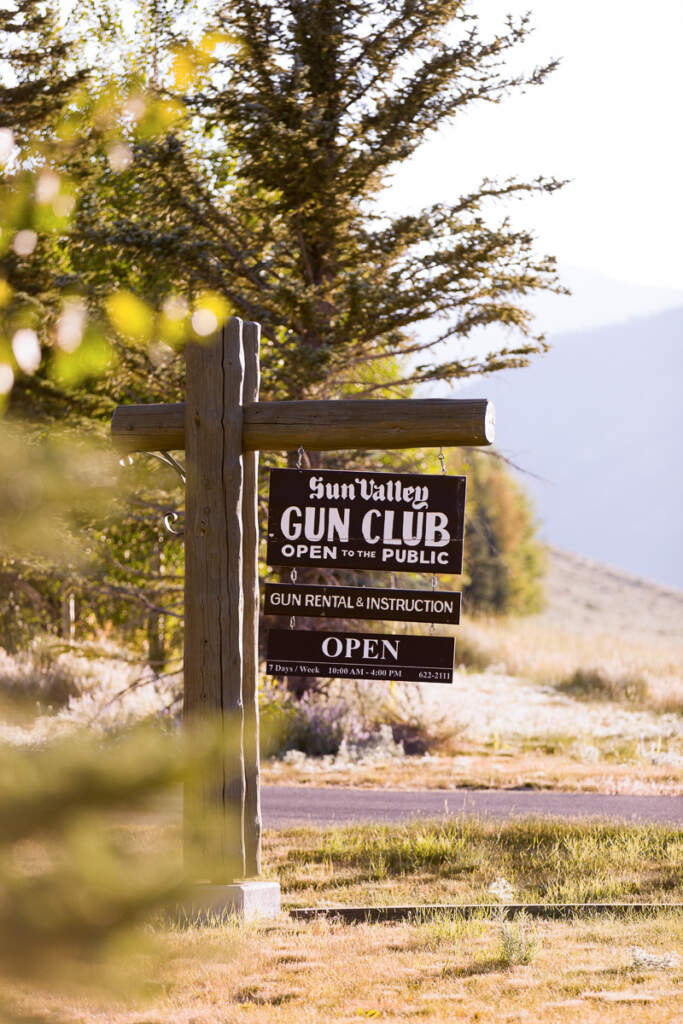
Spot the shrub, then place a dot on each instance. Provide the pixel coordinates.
(470, 654)
(518, 941)
(37, 676)
(597, 683)
(314, 724)
(320, 725)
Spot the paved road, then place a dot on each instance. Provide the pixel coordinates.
(291, 805)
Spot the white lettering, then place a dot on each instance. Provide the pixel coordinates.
(327, 648)
(369, 648)
(392, 648)
(436, 534)
(316, 485)
(366, 525)
(352, 645)
(421, 497)
(290, 531)
(314, 530)
(339, 523)
(411, 536)
(388, 537)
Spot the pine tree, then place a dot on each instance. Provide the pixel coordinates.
(40, 78)
(35, 56)
(269, 194)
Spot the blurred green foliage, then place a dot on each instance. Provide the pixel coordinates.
(90, 849)
(73, 883)
(83, 549)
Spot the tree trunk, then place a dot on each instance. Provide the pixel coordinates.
(68, 616)
(156, 646)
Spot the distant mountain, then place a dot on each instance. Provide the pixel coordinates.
(596, 301)
(599, 420)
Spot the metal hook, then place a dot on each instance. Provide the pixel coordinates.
(442, 460)
(170, 518)
(164, 457)
(168, 460)
(300, 456)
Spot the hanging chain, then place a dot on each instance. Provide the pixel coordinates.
(300, 452)
(442, 460)
(293, 577)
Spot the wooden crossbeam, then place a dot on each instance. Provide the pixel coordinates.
(320, 425)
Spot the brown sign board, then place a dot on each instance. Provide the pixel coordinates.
(351, 519)
(372, 656)
(362, 603)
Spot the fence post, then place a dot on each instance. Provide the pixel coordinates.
(214, 610)
(252, 798)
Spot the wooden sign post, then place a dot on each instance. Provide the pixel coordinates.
(222, 426)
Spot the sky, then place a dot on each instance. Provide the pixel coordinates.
(609, 119)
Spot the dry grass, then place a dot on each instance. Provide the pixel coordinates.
(440, 971)
(451, 860)
(457, 860)
(588, 664)
(624, 769)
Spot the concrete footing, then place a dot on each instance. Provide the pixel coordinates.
(249, 901)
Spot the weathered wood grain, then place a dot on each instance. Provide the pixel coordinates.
(321, 425)
(252, 796)
(149, 428)
(214, 801)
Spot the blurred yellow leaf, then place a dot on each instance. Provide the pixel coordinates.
(130, 315)
(170, 111)
(45, 485)
(90, 359)
(157, 118)
(184, 69)
(211, 311)
(172, 331)
(211, 40)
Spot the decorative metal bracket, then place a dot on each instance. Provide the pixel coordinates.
(170, 518)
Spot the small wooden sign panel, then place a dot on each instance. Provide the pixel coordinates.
(362, 603)
(373, 656)
(347, 519)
